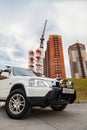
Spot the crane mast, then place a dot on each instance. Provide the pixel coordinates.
(42, 47)
(42, 36)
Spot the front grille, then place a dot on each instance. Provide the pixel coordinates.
(57, 84)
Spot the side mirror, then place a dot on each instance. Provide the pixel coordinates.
(5, 74)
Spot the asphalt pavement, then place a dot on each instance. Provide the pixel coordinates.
(74, 117)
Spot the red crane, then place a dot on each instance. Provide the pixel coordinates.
(42, 37)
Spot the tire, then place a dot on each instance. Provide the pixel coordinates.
(17, 104)
(59, 107)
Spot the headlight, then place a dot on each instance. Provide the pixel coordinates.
(38, 83)
(50, 83)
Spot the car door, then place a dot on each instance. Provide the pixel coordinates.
(4, 86)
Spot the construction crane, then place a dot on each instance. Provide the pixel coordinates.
(42, 36)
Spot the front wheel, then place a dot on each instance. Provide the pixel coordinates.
(17, 104)
(59, 107)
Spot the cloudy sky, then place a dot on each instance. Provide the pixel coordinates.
(22, 21)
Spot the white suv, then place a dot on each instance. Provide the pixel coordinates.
(21, 89)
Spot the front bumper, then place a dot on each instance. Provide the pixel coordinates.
(53, 97)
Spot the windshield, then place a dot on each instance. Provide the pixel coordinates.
(22, 72)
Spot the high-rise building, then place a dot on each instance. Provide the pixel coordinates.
(54, 59)
(78, 60)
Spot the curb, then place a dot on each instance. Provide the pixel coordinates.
(80, 101)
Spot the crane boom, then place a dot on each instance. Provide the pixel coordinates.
(42, 37)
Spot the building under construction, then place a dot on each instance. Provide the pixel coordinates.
(35, 61)
(54, 58)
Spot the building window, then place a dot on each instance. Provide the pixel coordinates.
(75, 67)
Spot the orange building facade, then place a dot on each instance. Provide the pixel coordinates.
(54, 59)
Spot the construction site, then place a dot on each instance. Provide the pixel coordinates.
(50, 62)
(36, 57)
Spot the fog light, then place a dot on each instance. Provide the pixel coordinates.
(63, 84)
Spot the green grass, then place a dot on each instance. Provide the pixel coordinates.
(81, 88)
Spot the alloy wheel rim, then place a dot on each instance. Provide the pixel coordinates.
(17, 103)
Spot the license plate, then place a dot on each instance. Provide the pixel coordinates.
(68, 91)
